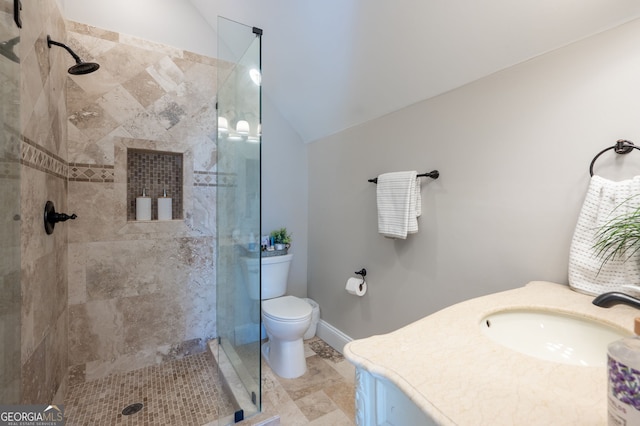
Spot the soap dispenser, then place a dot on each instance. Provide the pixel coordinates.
(165, 206)
(623, 363)
(143, 206)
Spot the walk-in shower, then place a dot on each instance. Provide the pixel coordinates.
(106, 298)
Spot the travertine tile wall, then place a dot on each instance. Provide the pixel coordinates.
(102, 293)
(43, 177)
(139, 292)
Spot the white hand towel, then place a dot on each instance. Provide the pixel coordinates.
(605, 200)
(399, 204)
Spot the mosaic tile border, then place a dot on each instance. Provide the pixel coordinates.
(36, 157)
(205, 178)
(79, 172)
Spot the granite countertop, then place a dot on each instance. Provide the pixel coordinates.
(458, 376)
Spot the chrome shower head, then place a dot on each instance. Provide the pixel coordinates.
(80, 67)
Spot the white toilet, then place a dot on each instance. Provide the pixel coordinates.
(285, 318)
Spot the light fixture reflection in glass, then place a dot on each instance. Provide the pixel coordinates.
(242, 127)
(223, 125)
(234, 137)
(253, 139)
(256, 76)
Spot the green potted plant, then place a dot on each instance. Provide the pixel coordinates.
(281, 239)
(619, 238)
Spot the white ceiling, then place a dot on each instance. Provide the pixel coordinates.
(329, 65)
(332, 64)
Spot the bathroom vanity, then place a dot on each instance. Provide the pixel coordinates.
(445, 369)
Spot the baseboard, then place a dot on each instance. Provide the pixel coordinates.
(334, 337)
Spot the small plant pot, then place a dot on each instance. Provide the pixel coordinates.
(280, 246)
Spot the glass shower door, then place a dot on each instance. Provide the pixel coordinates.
(9, 211)
(238, 213)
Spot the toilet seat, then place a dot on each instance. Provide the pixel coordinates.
(286, 308)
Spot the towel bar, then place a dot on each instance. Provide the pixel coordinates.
(433, 174)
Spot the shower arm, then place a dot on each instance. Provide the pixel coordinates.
(68, 49)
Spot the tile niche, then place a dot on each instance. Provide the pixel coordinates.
(154, 172)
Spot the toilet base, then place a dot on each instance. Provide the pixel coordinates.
(286, 358)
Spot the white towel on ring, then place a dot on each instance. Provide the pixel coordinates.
(399, 204)
(605, 200)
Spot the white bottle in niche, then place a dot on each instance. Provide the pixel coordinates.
(623, 366)
(165, 207)
(143, 206)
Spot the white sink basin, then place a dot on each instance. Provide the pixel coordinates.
(552, 336)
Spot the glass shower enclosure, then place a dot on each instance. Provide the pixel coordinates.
(238, 213)
(9, 211)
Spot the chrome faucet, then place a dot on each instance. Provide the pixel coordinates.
(606, 300)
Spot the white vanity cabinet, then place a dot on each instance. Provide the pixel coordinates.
(380, 402)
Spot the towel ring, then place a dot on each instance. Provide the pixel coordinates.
(622, 146)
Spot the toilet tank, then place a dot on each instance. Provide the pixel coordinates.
(275, 271)
(250, 268)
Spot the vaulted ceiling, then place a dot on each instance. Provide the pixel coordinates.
(332, 64)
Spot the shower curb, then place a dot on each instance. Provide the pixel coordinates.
(232, 381)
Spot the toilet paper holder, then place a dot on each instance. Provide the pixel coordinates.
(363, 273)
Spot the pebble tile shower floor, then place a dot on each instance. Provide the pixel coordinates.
(179, 392)
(189, 392)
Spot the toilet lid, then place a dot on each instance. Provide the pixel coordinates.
(286, 308)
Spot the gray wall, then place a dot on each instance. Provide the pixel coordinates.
(513, 150)
(284, 189)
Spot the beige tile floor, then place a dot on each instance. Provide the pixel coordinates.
(324, 395)
(189, 392)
